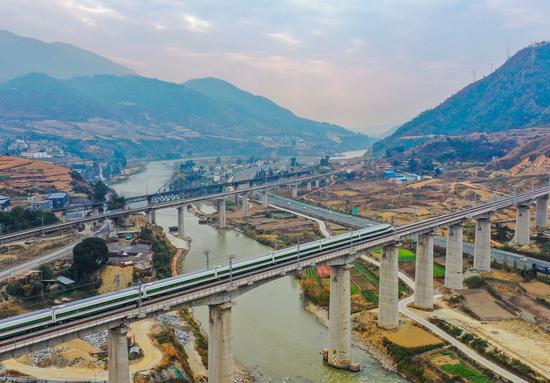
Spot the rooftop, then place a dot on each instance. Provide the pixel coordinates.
(58, 195)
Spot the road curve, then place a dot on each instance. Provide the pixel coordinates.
(426, 324)
(65, 251)
(453, 341)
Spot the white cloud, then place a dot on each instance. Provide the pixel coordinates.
(284, 38)
(88, 11)
(193, 23)
(355, 46)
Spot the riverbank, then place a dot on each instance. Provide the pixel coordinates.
(272, 334)
(128, 172)
(196, 351)
(321, 314)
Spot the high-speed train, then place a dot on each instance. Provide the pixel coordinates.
(132, 296)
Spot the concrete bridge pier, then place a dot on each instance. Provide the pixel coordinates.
(454, 263)
(317, 184)
(126, 220)
(339, 332)
(308, 185)
(245, 205)
(542, 213)
(482, 246)
(149, 216)
(119, 369)
(222, 220)
(424, 288)
(181, 221)
(294, 190)
(153, 216)
(265, 201)
(388, 297)
(220, 350)
(523, 220)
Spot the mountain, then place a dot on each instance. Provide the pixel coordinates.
(516, 95)
(257, 110)
(22, 55)
(205, 115)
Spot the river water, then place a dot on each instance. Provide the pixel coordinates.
(273, 335)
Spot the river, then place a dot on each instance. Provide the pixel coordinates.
(273, 335)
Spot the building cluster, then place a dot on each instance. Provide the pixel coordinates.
(35, 150)
(139, 255)
(402, 178)
(5, 203)
(53, 201)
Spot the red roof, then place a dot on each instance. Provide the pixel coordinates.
(323, 271)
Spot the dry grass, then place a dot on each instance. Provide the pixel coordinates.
(108, 278)
(412, 336)
(20, 174)
(503, 276)
(536, 288)
(441, 360)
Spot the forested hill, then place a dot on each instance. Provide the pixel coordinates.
(205, 109)
(516, 95)
(22, 55)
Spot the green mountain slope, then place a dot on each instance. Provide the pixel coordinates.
(210, 108)
(258, 110)
(21, 55)
(517, 95)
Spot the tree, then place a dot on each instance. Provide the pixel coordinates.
(413, 165)
(88, 256)
(116, 202)
(293, 162)
(324, 161)
(46, 271)
(100, 191)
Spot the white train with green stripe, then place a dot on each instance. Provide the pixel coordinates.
(131, 297)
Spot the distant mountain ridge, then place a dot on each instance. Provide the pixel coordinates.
(517, 95)
(198, 113)
(20, 56)
(60, 92)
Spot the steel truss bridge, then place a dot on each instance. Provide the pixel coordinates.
(171, 199)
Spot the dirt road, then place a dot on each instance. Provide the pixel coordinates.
(517, 338)
(152, 357)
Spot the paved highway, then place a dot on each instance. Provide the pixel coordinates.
(461, 346)
(320, 212)
(358, 222)
(65, 251)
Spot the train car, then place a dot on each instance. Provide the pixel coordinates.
(93, 305)
(131, 296)
(25, 322)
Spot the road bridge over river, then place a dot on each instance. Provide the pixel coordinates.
(218, 289)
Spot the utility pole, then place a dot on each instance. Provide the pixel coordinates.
(207, 254)
(117, 282)
(231, 257)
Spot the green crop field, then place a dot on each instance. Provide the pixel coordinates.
(465, 372)
(406, 255)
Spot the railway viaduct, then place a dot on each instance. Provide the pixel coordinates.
(220, 296)
(150, 203)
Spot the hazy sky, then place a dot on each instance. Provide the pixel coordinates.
(367, 65)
